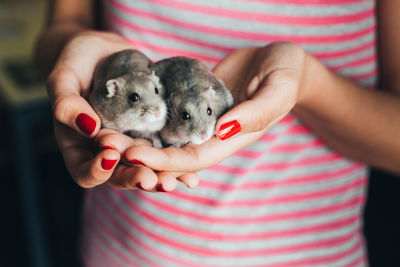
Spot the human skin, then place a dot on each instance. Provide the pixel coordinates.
(282, 77)
(267, 83)
(69, 50)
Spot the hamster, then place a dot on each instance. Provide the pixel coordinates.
(128, 96)
(195, 98)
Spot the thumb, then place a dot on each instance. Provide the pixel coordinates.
(266, 106)
(69, 107)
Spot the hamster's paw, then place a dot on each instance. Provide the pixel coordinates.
(157, 142)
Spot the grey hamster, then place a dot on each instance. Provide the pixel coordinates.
(195, 98)
(128, 96)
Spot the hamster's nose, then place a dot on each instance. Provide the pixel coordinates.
(157, 112)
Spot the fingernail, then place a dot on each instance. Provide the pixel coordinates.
(107, 164)
(86, 123)
(107, 147)
(160, 188)
(135, 161)
(229, 129)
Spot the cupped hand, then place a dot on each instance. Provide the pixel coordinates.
(266, 83)
(76, 122)
(133, 173)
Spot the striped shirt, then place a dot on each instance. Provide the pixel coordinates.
(286, 200)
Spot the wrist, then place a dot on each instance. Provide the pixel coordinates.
(315, 78)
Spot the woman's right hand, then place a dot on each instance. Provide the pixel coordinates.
(76, 122)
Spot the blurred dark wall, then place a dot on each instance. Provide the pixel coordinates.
(382, 219)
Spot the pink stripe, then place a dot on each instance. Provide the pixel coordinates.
(212, 59)
(315, 143)
(343, 222)
(325, 193)
(130, 237)
(226, 49)
(236, 170)
(357, 63)
(294, 180)
(307, 2)
(109, 233)
(289, 118)
(312, 160)
(229, 169)
(96, 244)
(345, 53)
(364, 76)
(332, 38)
(268, 137)
(325, 260)
(172, 51)
(359, 260)
(356, 201)
(322, 259)
(97, 208)
(236, 254)
(168, 35)
(266, 18)
(116, 239)
(298, 129)
(248, 154)
(308, 262)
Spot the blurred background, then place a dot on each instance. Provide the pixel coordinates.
(40, 204)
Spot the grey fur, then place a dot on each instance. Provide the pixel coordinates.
(191, 88)
(115, 79)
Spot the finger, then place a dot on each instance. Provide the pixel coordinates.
(86, 168)
(191, 180)
(268, 104)
(89, 172)
(190, 158)
(68, 106)
(166, 181)
(133, 177)
(108, 138)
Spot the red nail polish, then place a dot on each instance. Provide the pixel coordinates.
(107, 147)
(160, 188)
(229, 129)
(135, 161)
(107, 164)
(86, 123)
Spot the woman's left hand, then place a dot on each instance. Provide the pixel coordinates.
(266, 83)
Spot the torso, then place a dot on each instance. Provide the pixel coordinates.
(286, 200)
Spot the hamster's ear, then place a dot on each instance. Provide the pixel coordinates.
(229, 97)
(209, 92)
(113, 86)
(155, 79)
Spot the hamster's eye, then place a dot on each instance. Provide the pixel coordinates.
(156, 90)
(209, 111)
(185, 115)
(134, 97)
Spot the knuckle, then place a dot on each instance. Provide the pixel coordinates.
(84, 181)
(53, 79)
(261, 118)
(259, 124)
(61, 107)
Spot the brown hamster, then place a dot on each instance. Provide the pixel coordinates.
(195, 98)
(128, 96)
